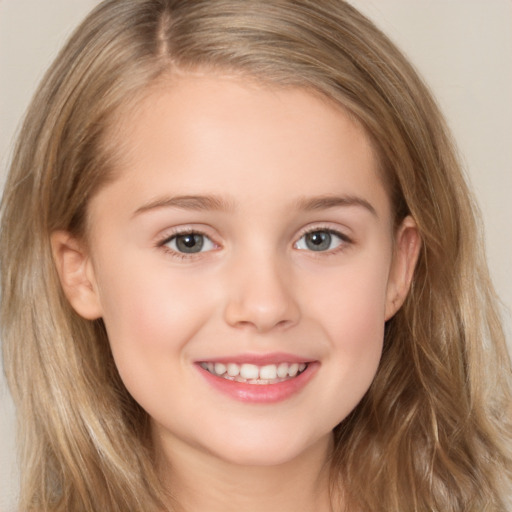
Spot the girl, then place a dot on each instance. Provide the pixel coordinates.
(240, 271)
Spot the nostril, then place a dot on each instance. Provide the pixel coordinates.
(283, 324)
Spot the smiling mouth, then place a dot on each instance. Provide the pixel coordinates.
(254, 374)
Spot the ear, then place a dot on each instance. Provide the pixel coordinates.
(76, 274)
(405, 256)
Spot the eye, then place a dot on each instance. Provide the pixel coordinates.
(320, 240)
(189, 243)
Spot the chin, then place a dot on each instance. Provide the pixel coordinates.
(268, 450)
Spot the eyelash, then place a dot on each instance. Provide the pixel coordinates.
(344, 242)
(182, 232)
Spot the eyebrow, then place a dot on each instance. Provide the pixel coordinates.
(212, 202)
(187, 202)
(328, 201)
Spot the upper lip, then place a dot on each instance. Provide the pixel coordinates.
(258, 359)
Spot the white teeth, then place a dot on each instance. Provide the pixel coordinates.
(220, 368)
(253, 373)
(282, 370)
(293, 370)
(268, 372)
(249, 371)
(233, 369)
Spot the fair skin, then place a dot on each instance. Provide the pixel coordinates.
(248, 226)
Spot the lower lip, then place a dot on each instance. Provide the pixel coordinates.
(261, 393)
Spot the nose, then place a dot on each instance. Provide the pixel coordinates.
(261, 296)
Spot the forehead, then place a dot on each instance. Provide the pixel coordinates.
(231, 136)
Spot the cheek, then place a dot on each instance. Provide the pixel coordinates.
(149, 316)
(352, 299)
(351, 312)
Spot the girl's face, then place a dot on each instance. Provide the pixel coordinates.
(244, 265)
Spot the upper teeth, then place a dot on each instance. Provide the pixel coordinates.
(248, 371)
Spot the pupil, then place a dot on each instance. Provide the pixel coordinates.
(318, 240)
(189, 243)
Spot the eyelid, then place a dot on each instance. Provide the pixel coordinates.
(345, 239)
(325, 226)
(170, 234)
(183, 229)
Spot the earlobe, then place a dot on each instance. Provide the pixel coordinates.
(405, 257)
(76, 274)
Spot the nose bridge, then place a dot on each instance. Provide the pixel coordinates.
(260, 292)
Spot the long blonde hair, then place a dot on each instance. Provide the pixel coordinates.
(434, 430)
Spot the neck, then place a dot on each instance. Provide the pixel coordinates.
(200, 481)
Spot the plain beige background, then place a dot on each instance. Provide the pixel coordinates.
(462, 47)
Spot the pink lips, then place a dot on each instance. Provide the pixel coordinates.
(261, 393)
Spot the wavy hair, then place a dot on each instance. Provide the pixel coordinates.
(434, 430)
